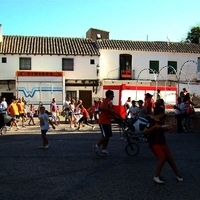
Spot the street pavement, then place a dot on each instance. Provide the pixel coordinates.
(70, 170)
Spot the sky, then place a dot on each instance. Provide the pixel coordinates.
(138, 20)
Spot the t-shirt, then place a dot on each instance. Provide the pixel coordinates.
(20, 106)
(53, 106)
(105, 116)
(133, 111)
(157, 136)
(85, 113)
(45, 118)
(149, 106)
(67, 104)
(13, 109)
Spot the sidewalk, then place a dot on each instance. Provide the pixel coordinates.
(62, 127)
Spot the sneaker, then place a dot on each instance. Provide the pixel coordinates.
(93, 127)
(17, 128)
(96, 149)
(46, 147)
(179, 178)
(104, 153)
(157, 180)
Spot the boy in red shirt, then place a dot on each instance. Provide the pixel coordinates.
(84, 118)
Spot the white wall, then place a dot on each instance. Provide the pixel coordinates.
(109, 62)
(82, 67)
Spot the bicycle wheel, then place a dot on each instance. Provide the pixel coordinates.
(132, 149)
(3, 130)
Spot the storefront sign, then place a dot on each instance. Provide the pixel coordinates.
(38, 73)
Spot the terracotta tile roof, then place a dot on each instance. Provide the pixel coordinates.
(48, 46)
(33, 45)
(174, 47)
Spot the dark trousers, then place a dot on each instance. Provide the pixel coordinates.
(179, 119)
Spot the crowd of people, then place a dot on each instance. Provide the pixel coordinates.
(102, 111)
(183, 109)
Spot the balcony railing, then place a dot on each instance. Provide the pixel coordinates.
(126, 74)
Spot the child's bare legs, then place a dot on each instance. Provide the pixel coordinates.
(160, 165)
(173, 166)
(31, 120)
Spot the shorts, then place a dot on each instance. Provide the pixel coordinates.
(53, 115)
(21, 115)
(44, 132)
(106, 130)
(83, 119)
(161, 151)
(14, 117)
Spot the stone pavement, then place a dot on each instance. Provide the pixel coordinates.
(69, 169)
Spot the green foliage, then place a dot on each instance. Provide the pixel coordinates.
(193, 35)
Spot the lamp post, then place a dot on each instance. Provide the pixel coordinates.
(180, 71)
(190, 78)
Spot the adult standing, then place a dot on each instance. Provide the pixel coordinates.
(158, 95)
(53, 109)
(179, 112)
(66, 108)
(13, 110)
(21, 106)
(127, 105)
(4, 106)
(106, 113)
(149, 104)
(188, 107)
(132, 111)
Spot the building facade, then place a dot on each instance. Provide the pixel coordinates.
(90, 63)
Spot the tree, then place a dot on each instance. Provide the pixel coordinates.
(193, 35)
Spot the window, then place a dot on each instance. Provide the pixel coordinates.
(68, 64)
(92, 62)
(170, 69)
(125, 61)
(25, 63)
(153, 66)
(4, 60)
(72, 94)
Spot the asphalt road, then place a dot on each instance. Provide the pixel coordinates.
(70, 170)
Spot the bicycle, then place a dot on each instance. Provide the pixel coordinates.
(131, 133)
(3, 130)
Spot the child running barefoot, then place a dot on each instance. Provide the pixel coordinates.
(44, 125)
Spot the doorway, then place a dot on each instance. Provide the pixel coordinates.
(8, 95)
(86, 97)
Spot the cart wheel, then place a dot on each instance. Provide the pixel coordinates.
(132, 149)
(3, 130)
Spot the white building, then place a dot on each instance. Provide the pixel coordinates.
(91, 62)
